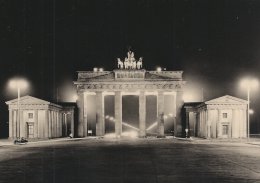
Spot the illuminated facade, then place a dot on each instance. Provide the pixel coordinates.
(129, 79)
(39, 119)
(223, 117)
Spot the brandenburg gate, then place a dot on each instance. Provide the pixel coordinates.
(128, 79)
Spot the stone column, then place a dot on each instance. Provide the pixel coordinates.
(50, 124)
(61, 126)
(11, 135)
(72, 124)
(142, 114)
(80, 102)
(218, 125)
(187, 126)
(244, 123)
(160, 114)
(54, 124)
(59, 123)
(22, 125)
(15, 123)
(100, 124)
(179, 105)
(209, 113)
(35, 128)
(46, 124)
(85, 115)
(118, 113)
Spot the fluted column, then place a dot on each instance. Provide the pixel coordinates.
(46, 124)
(187, 125)
(50, 124)
(22, 125)
(72, 124)
(15, 130)
(142, 114)
(85, 115)
(160, 114)
(100, 124)
(11, 134)
(118, 113)
(218, 125)
(80, 102)
(35, 128)
(179, 105)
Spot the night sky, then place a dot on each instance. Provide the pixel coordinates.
(216, 43)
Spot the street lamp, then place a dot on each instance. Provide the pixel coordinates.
(18, 83)
(249, 84)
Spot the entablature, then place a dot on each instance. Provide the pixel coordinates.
(97, 86)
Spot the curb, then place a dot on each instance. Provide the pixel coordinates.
(184, 139)
(50, 140)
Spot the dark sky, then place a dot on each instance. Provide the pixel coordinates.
(215, 43)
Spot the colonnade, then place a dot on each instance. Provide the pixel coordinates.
(100, 111)
(46, 123)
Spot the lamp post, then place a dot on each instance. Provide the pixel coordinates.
(18, 83)
(249, 84)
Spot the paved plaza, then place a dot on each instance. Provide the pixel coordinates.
(130, 161)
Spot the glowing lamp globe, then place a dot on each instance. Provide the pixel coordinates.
(249, 83)
(18, 83)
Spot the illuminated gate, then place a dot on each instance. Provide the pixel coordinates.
(129, 79)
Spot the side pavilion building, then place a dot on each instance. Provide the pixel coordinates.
(128, 79)
(37, 118)
(223, 117)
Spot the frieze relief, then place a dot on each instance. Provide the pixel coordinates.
(128, 86)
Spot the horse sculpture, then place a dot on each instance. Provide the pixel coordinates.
(139, 63)
(120, 64)
(130, 62)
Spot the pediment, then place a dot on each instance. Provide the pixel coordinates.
(27, 100)
(227, 99)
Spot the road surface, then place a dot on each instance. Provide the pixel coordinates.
(130, 161)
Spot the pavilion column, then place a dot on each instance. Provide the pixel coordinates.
(11, 135)
(218, 124)
(64, 124)
(72, 124)
(142, 114)
(85, 115)
(100, 124)
(46, 124)
(59, 124)
(35, 128)
(179, 105)
(118, 113)
(54, 124)
(80, 102)
(160, 114)
(187, 125)
(15, 135)
(22, 124)
(49, 124)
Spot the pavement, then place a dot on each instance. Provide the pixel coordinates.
(252, 141)
(130, 160)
